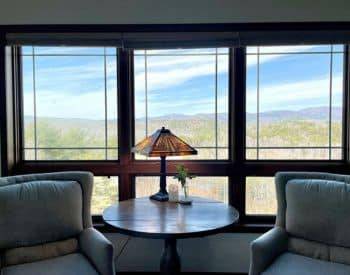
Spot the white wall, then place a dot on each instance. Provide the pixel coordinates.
(218, 253)
(170, 11)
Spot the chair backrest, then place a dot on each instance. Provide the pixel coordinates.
(41, 208)
(314, 209)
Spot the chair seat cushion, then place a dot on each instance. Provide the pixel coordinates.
(71, 264)
(293, 264)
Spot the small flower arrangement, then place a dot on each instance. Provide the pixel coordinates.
(182, 176)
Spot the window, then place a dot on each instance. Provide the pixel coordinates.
(294, 102)
(287, 116)
(215, 188)
(105, 193)
(69, 103)
(187, 92)
(260, 198)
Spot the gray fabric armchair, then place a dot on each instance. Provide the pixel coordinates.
(311, 236)
(46, 227)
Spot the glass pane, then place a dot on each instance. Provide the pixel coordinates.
(289, 101)
(251, 101)
(111, 51)
(70, 103)
(182, 51)
(27, 50)
(146, 186)
(105, 193)
(187, 92)
(215, 188)
(297, 154)
(295, 49)
(140, 99)
(337, 154)
(112, 154)
(71, 154)
(338, 48)
(251, 154)
(337, 98)
(29, 154)
(28, 102)
(252, 50)
(293, 102)
(222, 104)
(69, 50)
(260, 196)
(112, 102)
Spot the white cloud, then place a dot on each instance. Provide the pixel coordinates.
(295, 95)
(164, 72)
(54, 104)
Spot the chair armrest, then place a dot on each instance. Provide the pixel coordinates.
(266, 248)
(98, 250)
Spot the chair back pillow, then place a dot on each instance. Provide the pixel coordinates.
(37, 212)
(319, 210)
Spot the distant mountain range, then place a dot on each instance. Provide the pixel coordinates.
(316, 114)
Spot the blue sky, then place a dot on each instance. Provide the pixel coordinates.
(73, 86)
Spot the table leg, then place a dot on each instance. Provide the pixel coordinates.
(170, 261)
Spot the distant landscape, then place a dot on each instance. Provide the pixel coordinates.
(305, 127)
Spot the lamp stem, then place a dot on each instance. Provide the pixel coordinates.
(163, 175)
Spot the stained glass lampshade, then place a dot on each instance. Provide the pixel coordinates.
(163, 143)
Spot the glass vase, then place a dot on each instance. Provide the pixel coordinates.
(185, 198)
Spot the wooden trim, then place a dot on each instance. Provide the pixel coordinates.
(275, 26)
(3, 114)
(8, 110)
(124, 122)
(116, 168)
(237, 135)
(201, 168)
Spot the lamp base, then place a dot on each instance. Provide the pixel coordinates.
(160, 196)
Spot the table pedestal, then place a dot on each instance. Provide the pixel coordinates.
(170, 261)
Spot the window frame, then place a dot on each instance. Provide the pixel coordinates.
(19, 75)
(216, 147)
(126, 168)
(342, 146)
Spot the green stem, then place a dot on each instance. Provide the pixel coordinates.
(185, 190)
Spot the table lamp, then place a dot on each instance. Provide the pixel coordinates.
(163, 143)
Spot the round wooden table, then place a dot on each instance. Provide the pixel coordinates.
(170, 221)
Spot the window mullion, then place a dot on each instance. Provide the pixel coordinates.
(258, 104)
(34, 102)
(216, 103)
(146, 94)
(330, 104)
(125, 110)
(105, 101)
(346, 105)
(237, 132)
